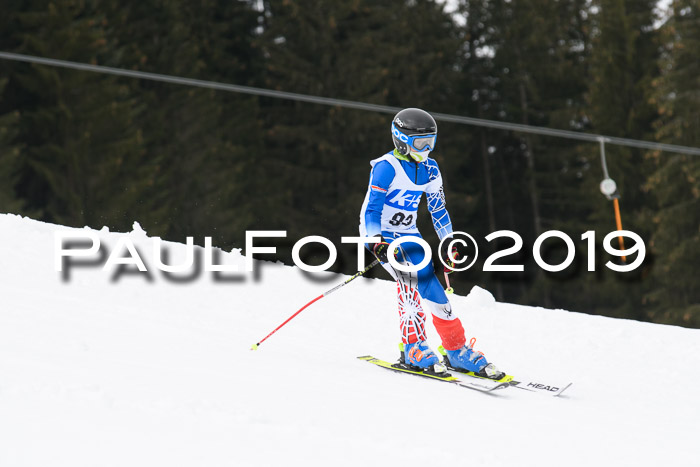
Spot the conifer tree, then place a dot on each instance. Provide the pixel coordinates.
(535, 53)
(79, 152)
(623, 65)
(200, 142)
(400, 54)
(10, 157)
(675, 297)
(9, 160)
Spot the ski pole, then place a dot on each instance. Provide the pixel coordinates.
(449, 289)
(358, 274)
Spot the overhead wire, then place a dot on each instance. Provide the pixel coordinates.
(515, 127)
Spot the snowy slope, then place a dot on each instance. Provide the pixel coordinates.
(95, 372)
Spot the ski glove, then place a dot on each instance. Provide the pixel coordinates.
(449, 261)
(381, 250)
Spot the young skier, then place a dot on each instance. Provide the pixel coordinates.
(397, 182)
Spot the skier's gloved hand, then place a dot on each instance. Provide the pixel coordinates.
(454, 254)
(381, 250)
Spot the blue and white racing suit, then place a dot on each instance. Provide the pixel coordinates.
(390, 207)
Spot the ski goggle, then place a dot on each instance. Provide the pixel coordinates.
(424, 142)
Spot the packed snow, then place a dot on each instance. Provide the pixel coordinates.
(99, 368)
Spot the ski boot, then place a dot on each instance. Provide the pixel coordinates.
(468, 360)
(418, 356)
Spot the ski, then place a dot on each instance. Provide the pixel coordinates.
(541, 388)
(478, 384)
(532, 386)
(503, 379)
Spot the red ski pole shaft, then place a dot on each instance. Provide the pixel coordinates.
(328, 292)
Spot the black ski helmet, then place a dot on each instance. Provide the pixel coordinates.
(411, 122)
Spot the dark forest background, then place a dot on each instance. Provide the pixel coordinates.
(79, 148)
